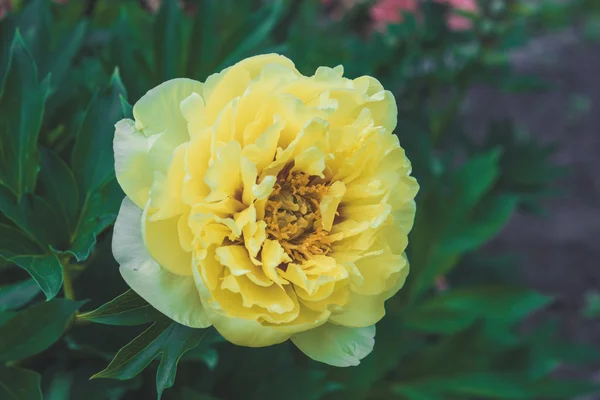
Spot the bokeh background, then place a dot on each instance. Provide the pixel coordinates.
(498, 112)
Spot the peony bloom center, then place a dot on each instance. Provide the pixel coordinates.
(293, 215)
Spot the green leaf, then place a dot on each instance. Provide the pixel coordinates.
(93, 165)
(19, 384)
(59, 387)
(491, 385)
(257, 37)
(203, 44)
(453, 219)
(7, 32)
(438, 320)
(473, 180)
(6, 316)
(387, 355)
(46, 270)
(62, 61)
(310, 384)
(168, 40)
(490, 217)
(167, 340)
(93, 158)
(126, 108)
(13, 241)
(410, 393)
(204, 351)
(36, 328)
(127, 309)
(74, 382)
(190, 394)
(35, 23)
(59, 188)
(36, 218)
(592, 307)
(17, 295)
(98, 213)
(21, 109)
(126, 54)
(502, 303)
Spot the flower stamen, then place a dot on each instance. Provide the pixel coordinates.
(293, 215)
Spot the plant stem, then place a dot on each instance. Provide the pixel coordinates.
(68, 283)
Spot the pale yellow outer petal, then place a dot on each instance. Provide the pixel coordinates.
(336, 345)
(159, 110)
(132, 165)
(144, 146)
(173, 295)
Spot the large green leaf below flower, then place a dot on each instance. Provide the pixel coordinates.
(169, 340)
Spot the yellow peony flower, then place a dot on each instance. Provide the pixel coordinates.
(269, 204)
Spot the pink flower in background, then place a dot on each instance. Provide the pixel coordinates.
(386, 12)
(5, 7)
(390, 11)
(458, 22)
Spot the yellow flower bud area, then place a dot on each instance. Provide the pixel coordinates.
(286, 198)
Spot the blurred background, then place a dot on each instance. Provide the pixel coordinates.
(498, 112)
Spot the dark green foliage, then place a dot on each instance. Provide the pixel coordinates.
(69, 72)
(19, 384)
(34, 329)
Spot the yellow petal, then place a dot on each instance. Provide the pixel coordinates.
(192, 109)
(223, 87)
(272, 256)
(249, 176)
(378, 270)
(311, 161)
(384, 110)
(173, 295)
(223, 176)
(248, 333)
(133, 167)
(197, 156)
(272, 298)
(262, 150)
(186, 236)
(162, 240)
(332, 297)
(158, 111)
(336, 345)
(166, 193)
(361, 311)
(304, 319)
(364, 310)
(254, 65)
(224, 130)
(330, 202)
(235, 258)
